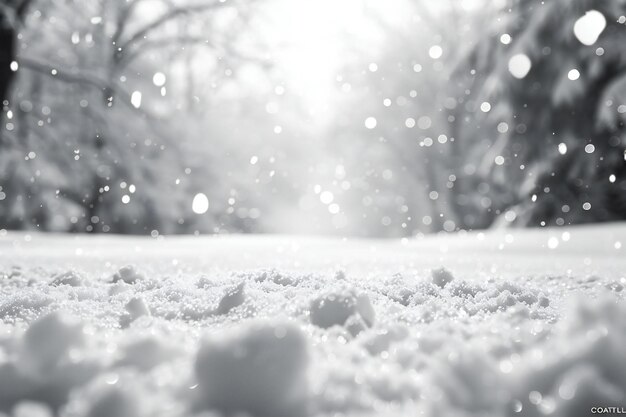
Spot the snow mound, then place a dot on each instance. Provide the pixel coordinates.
(233, 297)
(341, 307)
(43, 367)
(71, 278)
(441, 277)
(128, 274)
(260, 369)
(48, 341)
(277, 277)
(583, 367)
(135, 308)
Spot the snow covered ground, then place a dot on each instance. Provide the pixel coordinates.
(507, 323)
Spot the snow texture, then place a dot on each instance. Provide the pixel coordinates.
(457, 325)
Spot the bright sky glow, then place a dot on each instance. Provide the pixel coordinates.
(312, 40)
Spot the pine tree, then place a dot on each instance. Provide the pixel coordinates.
(551, 148)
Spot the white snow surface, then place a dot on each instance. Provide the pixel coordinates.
(472, 324)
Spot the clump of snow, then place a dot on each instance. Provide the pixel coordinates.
(118, 288)
(582, 367)
(441, 277)
(71, 278)
(277, 277)
(47, 341)
(135, 308)
(615, 286)
(233, 297)
(260, 369)
(340, 275)
(337, 307)
(128, 274)
(43, 366)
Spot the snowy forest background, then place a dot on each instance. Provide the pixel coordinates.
(356, 117)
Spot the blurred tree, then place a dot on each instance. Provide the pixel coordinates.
(92, 145)
(402, 173)
(12, 13)
(542, 135)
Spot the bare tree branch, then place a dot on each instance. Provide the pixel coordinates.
(167, 17)
(64, 75)
(22, 8)
(123, 19)
(14, 11)
(161, 43)
(84, 78)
